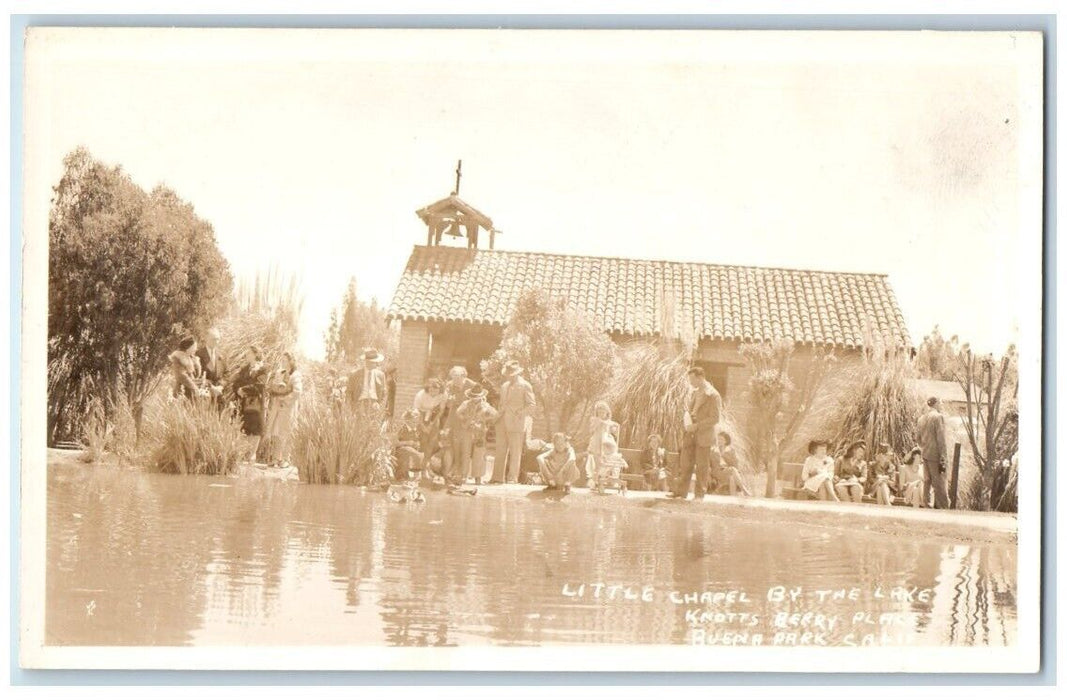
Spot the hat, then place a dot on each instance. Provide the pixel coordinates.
(933, 401)
(372, 355)
(511, 369)
(476, 393)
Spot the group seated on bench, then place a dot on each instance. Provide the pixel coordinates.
(851, 478)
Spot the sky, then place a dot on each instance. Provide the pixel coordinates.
(310, 151)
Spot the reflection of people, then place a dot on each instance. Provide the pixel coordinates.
(516, 404)
(285, 393)
(911, 479)
(818, 472)
(932, 442)
(701, 415)
(366, 386)
(852, 472)
(558, 468)
(654, 464)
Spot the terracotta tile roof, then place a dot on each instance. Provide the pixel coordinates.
(724, 302)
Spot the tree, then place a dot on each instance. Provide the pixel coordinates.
(569, 361)
(356, 325)
(779, 403)
(129, 273)
(937, 358)
(991, 389)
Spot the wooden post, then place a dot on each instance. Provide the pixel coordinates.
(955, 476)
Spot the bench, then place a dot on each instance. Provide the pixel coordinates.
(635, 475)
(791, 484)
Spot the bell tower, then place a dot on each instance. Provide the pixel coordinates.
(453, 217)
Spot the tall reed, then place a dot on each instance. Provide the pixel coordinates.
(335, 443)
(194, 437)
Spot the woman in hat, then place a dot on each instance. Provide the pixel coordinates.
(474, 416)
(852, 473)
(185, 367)
(818, 472)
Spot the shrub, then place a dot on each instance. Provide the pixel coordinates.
(194, 437)
(875, 402)
(337, 444)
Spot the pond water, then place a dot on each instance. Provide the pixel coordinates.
(140, 559)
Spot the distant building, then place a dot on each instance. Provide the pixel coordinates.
(454, 302)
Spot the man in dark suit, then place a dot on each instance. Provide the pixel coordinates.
(699, 421)
(212, 365)
(935, 454)
(366, 386)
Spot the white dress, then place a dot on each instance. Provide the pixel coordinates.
(816, 472)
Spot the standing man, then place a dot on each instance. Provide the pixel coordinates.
(935, 453)
(474, 417)
(366, 386)
(212, 365)
(516, 405)
(699, 421)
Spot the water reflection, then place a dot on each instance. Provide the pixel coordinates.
(157, 560)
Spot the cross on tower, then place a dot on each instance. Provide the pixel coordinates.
(459, 174)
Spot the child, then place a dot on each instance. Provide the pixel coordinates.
(408, 456)
(558, 468)
(729, 474)
(911, 478)
(818, 472)
(654, 464)
(882, 473)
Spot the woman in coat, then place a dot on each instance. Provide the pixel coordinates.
(285, 391)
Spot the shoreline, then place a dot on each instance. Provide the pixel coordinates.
(955, 526)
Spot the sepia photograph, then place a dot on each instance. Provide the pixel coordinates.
(505, 350)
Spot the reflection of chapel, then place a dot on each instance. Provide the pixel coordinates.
(453, 302)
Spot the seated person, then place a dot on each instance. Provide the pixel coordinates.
(818, 472)
(910, 477)
(559, 467)
(728, 474)
(654, 464)
(439, 465)
(852, 473)
(882, 475)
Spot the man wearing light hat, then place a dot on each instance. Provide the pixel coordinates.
(516, 405)
(366, 386)
(473, 419)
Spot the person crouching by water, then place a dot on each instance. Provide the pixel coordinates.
(474, 416)
(882, 474)
(729, 474)
(852, 473)
(186, 370)
(818, 472)
(285, 391)
(911, 478)
(409, 456)
(654, 464)
(250, 387)
(558, 465)
(429, 404)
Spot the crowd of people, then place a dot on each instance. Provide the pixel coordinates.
(919, 479)
(447, 432)
(265, 398)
